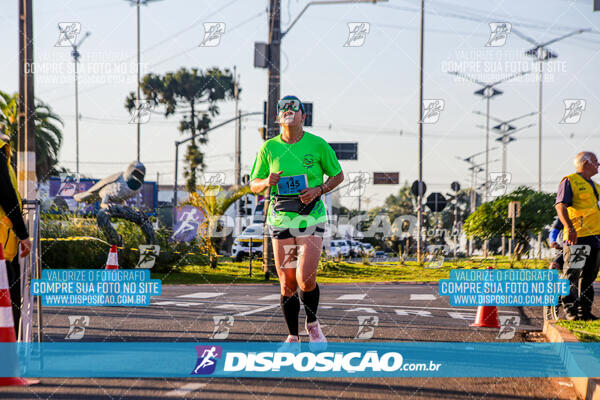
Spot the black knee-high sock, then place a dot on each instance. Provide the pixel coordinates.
(290, 305)
(311, 303)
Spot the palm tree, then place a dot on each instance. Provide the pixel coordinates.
(48, 133)
(213, 203)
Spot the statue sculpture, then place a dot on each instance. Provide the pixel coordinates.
(112, 192)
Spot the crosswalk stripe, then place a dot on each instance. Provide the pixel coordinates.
(185, 389)
(275, 296)
(416, 296)
(359, 296)
(201, 295)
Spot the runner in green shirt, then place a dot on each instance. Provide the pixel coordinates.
(293, 164)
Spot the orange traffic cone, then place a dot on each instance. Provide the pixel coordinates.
(487, 317)
(7, 330)
(113, 259)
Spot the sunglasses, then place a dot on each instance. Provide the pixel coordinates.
(288, 104)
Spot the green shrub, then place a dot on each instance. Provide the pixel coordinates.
(92, 253)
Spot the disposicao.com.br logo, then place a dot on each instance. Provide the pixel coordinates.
(350, 362)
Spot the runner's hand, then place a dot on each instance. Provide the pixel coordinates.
(274, 178)
(572, 239)
(309, 194)
(25, 247)
(556, 246)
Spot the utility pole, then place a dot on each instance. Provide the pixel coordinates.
(238, 152)
(75, 53)
(27, 179)
(274, 78)
(238, 132)
(420, 184)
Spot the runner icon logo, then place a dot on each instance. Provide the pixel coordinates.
(68, 33)
(223, 323)
(432, 109)
(207, 359)
(579, 253)
(508, 327)
(292, 253)
(499, 32)
(366, 326)
(212, 34)
(358, 34)
(573, 111)
(77, 325)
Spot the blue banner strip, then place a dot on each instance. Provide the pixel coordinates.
(262, 359)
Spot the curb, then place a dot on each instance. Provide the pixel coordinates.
(586, 388)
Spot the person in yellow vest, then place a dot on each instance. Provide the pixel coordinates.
(12, 227)
(577, 205)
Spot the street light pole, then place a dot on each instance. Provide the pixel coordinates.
(273, 93)
(420, 184)
(180, 142)
(541, 53)
(75, 53)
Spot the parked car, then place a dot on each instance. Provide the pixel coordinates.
(333, 250)
(344, 249)
(241, 244)
(380, 254)
(367, 249)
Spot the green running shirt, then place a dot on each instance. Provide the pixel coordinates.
(312, 156)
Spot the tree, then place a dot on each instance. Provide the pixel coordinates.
(491, 219)
(213, 203)
(48, 134)
(194, 94)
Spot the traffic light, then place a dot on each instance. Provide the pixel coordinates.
(263, 133)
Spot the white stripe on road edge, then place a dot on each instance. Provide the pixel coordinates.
(256, 310)
(6, 318)
(201, 295)
(271, 297)
(185, 389)
(363, 309)
(352, 297)
(415, 296)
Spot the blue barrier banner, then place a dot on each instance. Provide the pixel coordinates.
(95, 287)
(504, 287)
(267, 359)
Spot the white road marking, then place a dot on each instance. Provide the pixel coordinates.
(360, 296)
(259, 309)
(420, 313)
(325, 307)
(419, 307)
(201, 295)
(237, 307)
(185, 389)
(363, 309)
(271, 297)
(465, 316)
(416, 296)
(175, 303)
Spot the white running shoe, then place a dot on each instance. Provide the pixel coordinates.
(291, 345)
(318, 342)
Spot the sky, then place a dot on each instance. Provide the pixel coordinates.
(364, 93)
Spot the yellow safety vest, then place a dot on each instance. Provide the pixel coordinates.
(584, 212)
(8, 238)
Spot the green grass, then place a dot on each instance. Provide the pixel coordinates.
(585, 331)
(340, 271)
